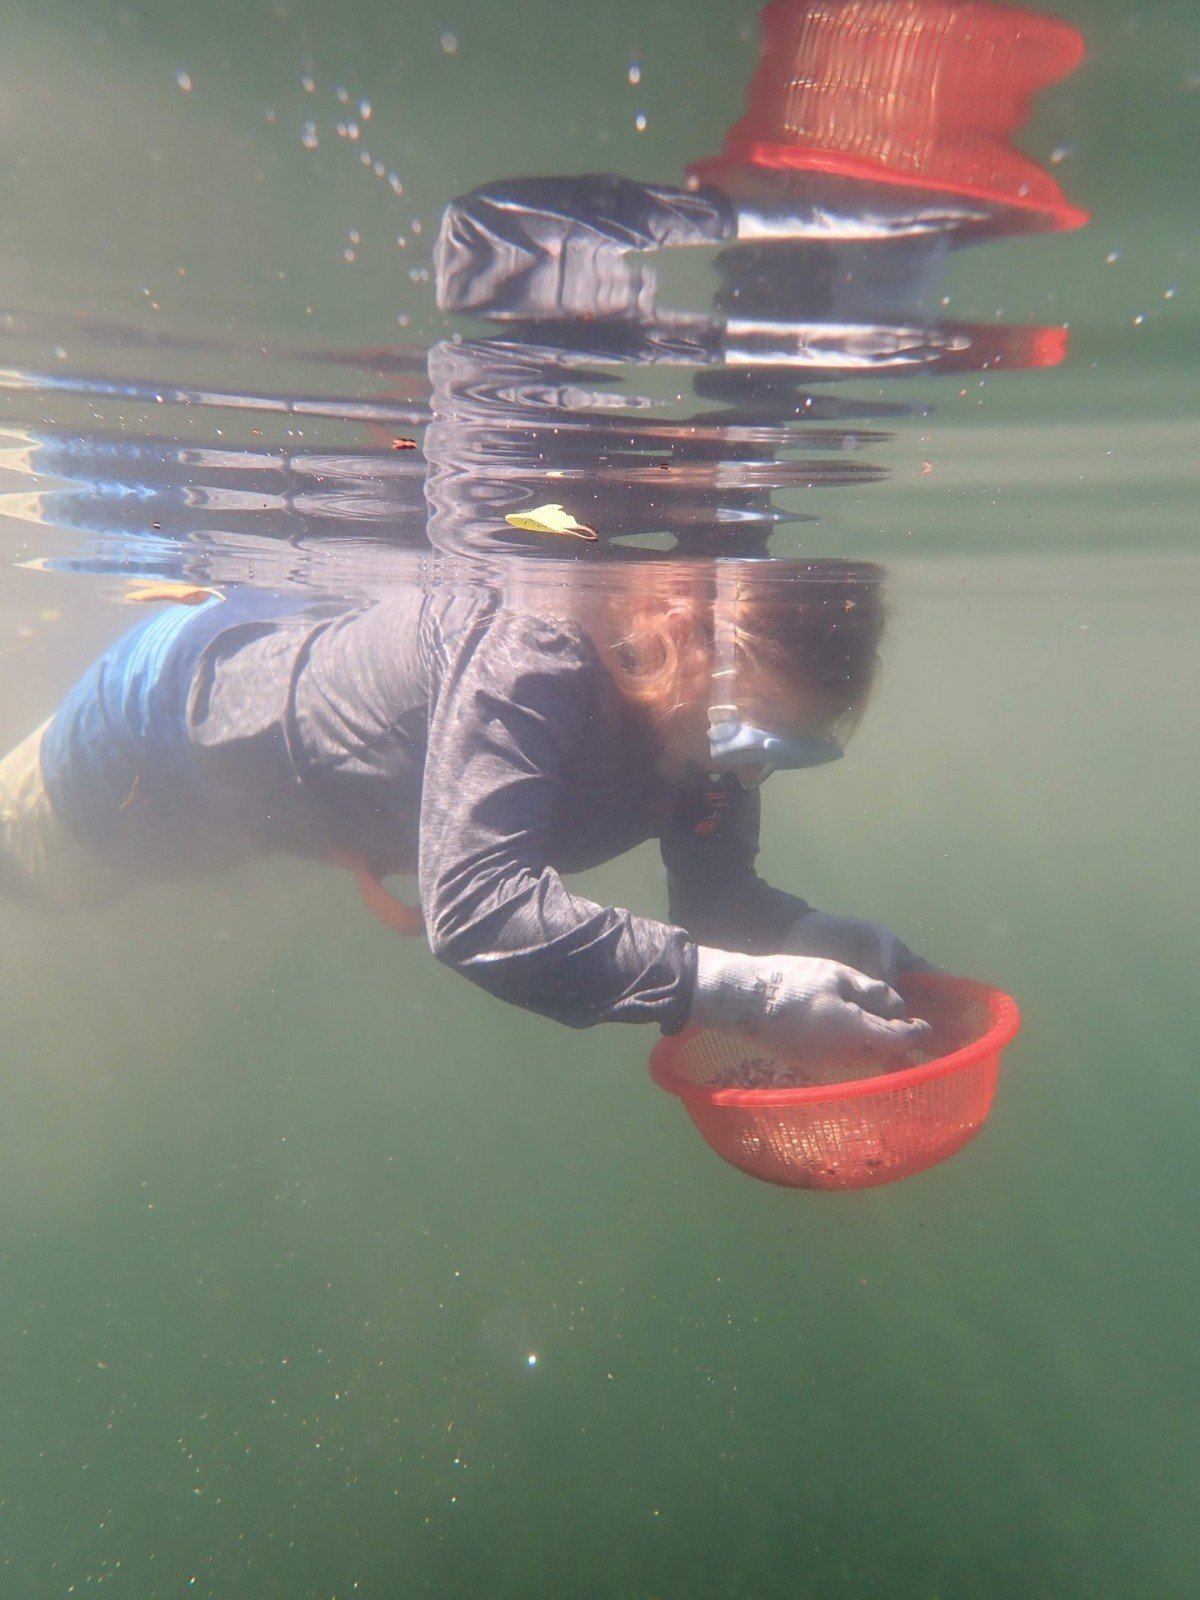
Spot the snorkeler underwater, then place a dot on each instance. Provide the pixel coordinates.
(596, 840)
(517, 706)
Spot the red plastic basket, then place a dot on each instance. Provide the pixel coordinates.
(862, 1132)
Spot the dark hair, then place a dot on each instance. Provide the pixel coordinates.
(820, 622)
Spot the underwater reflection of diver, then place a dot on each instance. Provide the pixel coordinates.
(878, 139)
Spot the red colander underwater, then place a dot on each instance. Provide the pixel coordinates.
(862, 1132)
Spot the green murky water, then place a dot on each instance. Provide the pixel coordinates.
(325, 1276)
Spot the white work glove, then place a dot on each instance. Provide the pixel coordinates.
(867, 946)
(840, 1022)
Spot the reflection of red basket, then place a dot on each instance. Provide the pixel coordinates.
(863, 1132)
(923, 94)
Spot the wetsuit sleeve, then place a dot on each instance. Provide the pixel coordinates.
(514, 709)
(556, 247)
(708, 848)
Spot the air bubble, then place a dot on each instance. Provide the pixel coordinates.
(308, 84)
(343, 95)
(635, 72)
(639, 122)
(449, 43)
(308, 135)
(183, 82)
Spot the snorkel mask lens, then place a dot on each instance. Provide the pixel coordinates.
(753, 753)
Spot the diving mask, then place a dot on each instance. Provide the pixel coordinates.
(753, 753)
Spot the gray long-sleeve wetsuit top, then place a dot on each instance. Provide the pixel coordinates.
(488, 749)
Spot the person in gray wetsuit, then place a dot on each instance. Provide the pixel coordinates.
(492, 749)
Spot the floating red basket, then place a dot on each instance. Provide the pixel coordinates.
(861, 1132)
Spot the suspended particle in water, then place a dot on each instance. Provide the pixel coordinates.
(347, 254)
(1139, 319)
(402, 241)
(354, 236)
(270, 115)
(449, 43)
(364, 110)
(1112, 257)
(1062, 152)
(343, 95)
(308, 135)
(1169, 294)
(635, 72)
(639, 122)
(352, 131)
(365, 157)
(379, 169)
(415, 224)
(531, 1359)
(308, 83)
(341, 130)
(402, 320)
(183, 82)
(394, 184)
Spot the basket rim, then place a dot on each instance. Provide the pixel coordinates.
(1004, 1022)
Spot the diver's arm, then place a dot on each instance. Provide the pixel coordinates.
(556, 247)
(708, 848)
(513, 710)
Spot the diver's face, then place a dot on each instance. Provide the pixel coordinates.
(793, 709)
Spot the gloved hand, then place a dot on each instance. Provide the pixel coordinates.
(867, 946)
(841, 1022)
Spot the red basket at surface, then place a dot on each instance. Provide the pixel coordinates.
(862, 1132)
